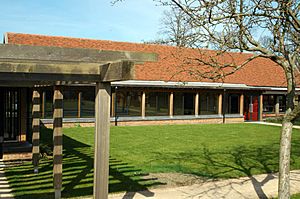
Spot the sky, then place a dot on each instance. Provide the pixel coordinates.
(130, 20)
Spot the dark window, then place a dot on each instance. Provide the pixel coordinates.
(233, 104)
(157, 103)
(208, 103)
(282, 103)
(70, 102)
(128, 103)
(184, 104)
(269, 103)
(88, 102)
(49, 104)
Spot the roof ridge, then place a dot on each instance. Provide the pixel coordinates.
(121, 42)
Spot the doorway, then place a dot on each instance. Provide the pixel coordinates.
(10, 113)
(251, 109)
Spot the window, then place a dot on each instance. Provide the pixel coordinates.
(268, 103)
(70, 102)
(128, 103)
(157, 103)
(282, 103)
(87, 102)
(184, 103)
(208, 104)
(233, 103)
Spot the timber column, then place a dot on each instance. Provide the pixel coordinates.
(220, 104)
(277, 106)
(242, 104)
(35, 130)
(143, 104)
(57, 140)
(197, 104)
(171, 104)
(102, 128)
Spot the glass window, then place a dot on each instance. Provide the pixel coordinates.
(184, 103)
(128, 103)
(49, 104)
(178, 105)
(233, 103)
(282, 103)
(208, 103)
(157, 103)
(87, 102)
(70, 102)
(268, 103)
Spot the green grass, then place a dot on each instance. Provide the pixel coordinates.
(296, 196)
(209, 151)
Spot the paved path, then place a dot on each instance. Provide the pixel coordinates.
(5, 190)
(259, 186)
(271, 124)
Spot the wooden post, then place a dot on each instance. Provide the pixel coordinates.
(171, 104)
(102, 127)
(220, 104)
(143, 104)
(113, 102)
(261, 107)
(43, 104)
(79, 105)
(277, 105)
(242, 104)
(35, 130)
(57, 140)
(197, 104)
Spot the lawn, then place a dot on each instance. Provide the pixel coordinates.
(209, 151)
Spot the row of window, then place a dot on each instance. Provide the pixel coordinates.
(79, 102)
(270, 101)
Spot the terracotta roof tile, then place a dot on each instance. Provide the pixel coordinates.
(172, 60)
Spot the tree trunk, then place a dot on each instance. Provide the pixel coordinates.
(284, 163)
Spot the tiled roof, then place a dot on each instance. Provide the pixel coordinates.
(170, 66)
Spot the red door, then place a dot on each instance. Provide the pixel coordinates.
(255, 108)
(251, 108)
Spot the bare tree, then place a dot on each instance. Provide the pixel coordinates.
(176, 28)
(268, 29)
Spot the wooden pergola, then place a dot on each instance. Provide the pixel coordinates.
(36, 66)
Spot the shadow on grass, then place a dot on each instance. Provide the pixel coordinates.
(77, 174)
(239, 161)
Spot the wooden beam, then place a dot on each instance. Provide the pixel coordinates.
(171, 104)
(59, 54)
(143, 105)
(12, 66)
(57, 140)
(117, 71)
(90, 72)
(197, 104)
(242, 104)
(102, 128)
(35, 129)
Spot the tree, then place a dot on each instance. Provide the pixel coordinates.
(177, 29)
(268, 29)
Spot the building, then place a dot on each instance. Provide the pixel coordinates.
(168, 91)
